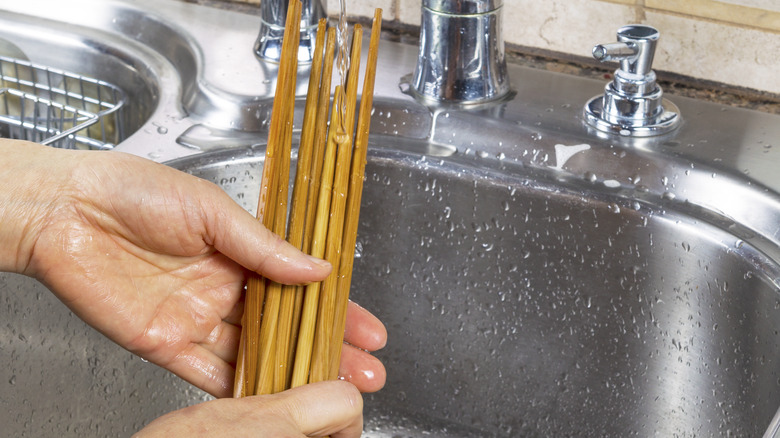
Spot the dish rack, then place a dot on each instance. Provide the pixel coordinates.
(58, 108)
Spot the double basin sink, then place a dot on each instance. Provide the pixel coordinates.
(536, 278)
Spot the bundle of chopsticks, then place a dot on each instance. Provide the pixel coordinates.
(292, 335)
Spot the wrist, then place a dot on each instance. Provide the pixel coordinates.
(29, 185)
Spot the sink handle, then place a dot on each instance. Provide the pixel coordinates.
(632, 104)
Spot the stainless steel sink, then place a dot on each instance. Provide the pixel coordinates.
(536, 278)
(521, 304)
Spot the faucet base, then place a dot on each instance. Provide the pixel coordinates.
(273, 14)
(461, 58)
(269, 43)
(666, 121)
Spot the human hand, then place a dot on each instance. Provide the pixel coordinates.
(331, 408)
(153, 258)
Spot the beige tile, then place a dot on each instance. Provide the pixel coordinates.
(569, 26)
(410, 12)
(767, 5)
(362, 8)
(710, 50)
(745, 12)
(696, 38)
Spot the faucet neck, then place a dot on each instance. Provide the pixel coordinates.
(273, 14)
(461, 58)
(463, 7)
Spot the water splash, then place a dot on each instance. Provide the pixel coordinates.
(342, 62)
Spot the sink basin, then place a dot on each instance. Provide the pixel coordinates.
(517, 304)
(536, 278)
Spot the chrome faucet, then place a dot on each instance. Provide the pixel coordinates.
(461, 58)
(632, 104)
(273, 14)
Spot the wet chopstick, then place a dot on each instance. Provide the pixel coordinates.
(354, 197)
(293, 335)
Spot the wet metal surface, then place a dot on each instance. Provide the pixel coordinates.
(536, 278)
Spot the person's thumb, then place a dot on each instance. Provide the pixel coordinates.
(241, 237)
(333, 408)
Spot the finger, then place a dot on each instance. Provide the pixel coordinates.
(236, 314)
(327, 408)
(363, 329)
(204, 369)
(223, 342)
(235, 233)
(362, 369)
(331, 408)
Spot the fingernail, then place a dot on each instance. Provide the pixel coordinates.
(318, 261)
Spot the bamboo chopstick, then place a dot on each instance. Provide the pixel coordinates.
(270, 321)
(291, 299)
(303, 353)
(327, 306)
(354, 197)
(247, 367)
(292, 335)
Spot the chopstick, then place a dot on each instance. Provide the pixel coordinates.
(247, 367)
(343, 137)
(354, 197)
(292, 335)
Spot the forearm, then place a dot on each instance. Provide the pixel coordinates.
(30, 178)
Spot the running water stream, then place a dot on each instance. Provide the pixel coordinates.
(343, 67)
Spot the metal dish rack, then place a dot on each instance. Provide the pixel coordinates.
(58, 108)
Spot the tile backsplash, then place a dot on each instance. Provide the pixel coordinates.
(734, 42)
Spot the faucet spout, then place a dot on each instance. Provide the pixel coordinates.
(461, 58)
(273, 14)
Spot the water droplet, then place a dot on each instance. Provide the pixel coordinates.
(162, 130)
